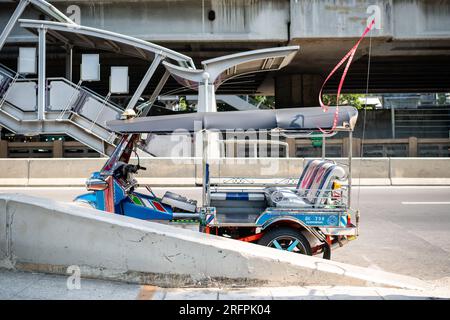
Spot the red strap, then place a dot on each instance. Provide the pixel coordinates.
(349, 56)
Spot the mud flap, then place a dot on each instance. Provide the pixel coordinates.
(326, 251)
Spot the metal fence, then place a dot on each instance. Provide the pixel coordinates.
(54, 149)
(408, 147)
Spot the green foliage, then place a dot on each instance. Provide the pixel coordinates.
(351, 99)
(184, 106)
(441, 98)
(268, 101)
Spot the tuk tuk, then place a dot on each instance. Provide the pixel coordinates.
(310, 218)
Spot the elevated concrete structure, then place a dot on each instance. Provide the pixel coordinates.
(44, 235)
(410, 44)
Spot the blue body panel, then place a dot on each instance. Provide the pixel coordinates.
(243, 196)
(89, 197)
(146, 208)
(142, 212)
(309, 218)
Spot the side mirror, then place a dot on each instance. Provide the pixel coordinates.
(96, 184)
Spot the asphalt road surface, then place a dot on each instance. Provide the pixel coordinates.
(403, 229)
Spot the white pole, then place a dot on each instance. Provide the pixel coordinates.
(41, 74)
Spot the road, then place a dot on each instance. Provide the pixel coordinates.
(404, 230)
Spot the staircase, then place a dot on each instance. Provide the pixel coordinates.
(71, 109)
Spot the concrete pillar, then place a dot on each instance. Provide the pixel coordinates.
(356, 147)
(291, 146)
(3, 149)
(58, 150)
(297, 90)
(345, 143)
(412, 146)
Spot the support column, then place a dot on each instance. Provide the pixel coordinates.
(41, 74)
(12, 21)
(156, 93)
(412, 146)
(297, 90)
(292, 147)
(58, 149)
(3, 149)
(207, 97)
(69, 63)
(148, 75)
(393, 122)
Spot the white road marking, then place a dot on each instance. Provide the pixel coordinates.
(426, 202)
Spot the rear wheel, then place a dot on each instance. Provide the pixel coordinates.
(288, 239)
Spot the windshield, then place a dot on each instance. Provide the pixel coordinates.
(122, 153)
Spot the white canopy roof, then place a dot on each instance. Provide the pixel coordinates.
(88, 37)
(221, 69)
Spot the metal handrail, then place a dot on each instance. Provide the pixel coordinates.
(89, 91)
(2, 66)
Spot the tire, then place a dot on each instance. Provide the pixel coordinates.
(283, 238)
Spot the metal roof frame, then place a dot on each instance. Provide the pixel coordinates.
(50, 10)
(105, 40)
(224, 68)
(218, 70)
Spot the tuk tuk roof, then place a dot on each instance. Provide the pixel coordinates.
(301, 119)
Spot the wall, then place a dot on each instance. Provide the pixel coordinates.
(188, 171)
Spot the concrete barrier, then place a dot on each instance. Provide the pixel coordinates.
(368, 171)
(188, 171)
(420, 171)
(168, 171)
(62, 172)
(14, 172)
(48, 236)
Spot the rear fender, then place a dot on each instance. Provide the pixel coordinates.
(313, 238)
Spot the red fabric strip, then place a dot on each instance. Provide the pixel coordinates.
(349, 56)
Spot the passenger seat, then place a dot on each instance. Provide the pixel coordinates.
(313, 186)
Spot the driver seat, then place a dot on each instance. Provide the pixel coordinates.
(178, 201)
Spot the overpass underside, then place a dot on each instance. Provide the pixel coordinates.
(409, 48)
(409, 53)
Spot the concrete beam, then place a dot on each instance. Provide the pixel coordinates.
(48, 236)
(297, 90)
